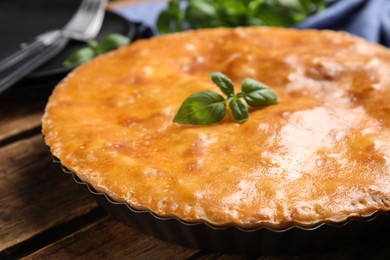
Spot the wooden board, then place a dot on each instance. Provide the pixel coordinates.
(35, 194)
(21, 110)
(109, 238)
(45, 215)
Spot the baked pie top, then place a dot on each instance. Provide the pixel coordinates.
(321, 155)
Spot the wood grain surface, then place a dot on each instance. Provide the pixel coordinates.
(19, 114)
(44, 214)
(104, 234)
(36, 196)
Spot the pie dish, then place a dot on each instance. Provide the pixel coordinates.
(319, 157)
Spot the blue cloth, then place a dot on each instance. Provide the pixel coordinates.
(145, 13)
(369, 19)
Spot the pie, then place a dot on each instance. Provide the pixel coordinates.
(321, 155)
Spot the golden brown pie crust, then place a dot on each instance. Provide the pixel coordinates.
(321, 155)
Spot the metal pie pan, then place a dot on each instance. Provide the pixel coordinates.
(231, 239)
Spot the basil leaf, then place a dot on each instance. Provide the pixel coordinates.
(200, 12)
(174, 7)
(202, 108)
(257, 94)
(170, 19)
(231, 13)
(108, 43)
(310, 7)
(255, 21)
(254, 6)
(80, 56)
(94, 45)
(239, 110)
(112, 41)
(164, 22)
(234, 7)
(223, 82)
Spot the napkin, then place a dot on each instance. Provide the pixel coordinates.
(143, 13)
(369, 19)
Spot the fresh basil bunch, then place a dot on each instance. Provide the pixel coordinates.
(109, 42)
(232, 13)
(208, 107)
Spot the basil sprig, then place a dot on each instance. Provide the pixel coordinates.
(180, 15)
(170, 19)
(109, 42)
(208, 107)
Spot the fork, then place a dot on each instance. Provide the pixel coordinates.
(84, 25)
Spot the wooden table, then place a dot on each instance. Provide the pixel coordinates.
(44, 214)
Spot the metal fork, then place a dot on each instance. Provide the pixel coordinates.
(84, 25)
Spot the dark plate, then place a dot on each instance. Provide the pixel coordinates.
(22, 20)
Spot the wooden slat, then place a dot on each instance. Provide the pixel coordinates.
(38, 200)
(21, 109)
(375, 249)
(35, 194)
(110, 239)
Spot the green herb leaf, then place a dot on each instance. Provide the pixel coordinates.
(170, 19)
(164, 22)
(202, 108)
(239, 110)
(200, 11)
(108, 43)
(94, 45)
(79, 57)
(111, 42)
(174, 7)
(232, 13)
(208, 107)
(257, 94)
(254, 6)
(223, 82)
